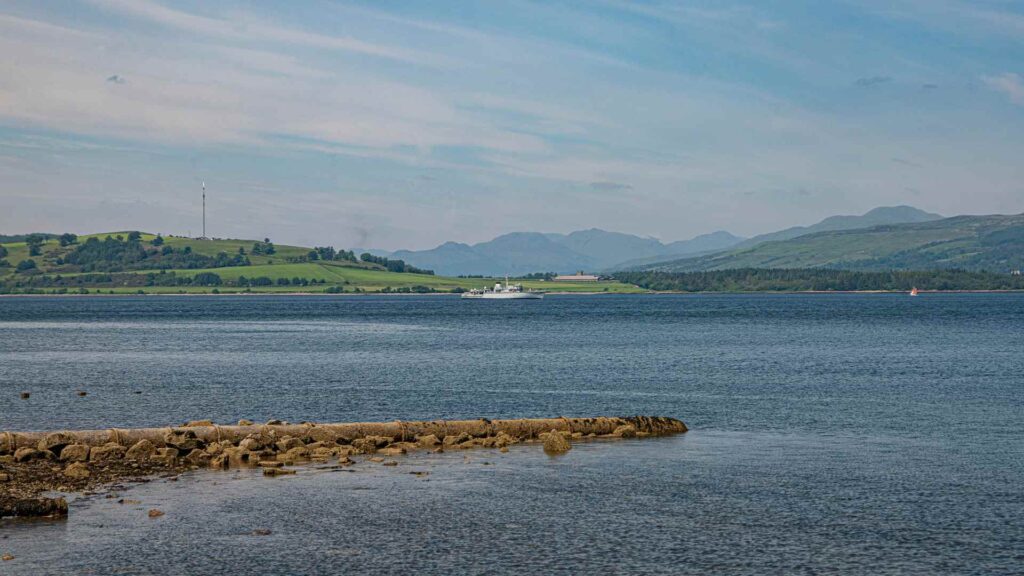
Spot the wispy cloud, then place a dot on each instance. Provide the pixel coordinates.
(255, 30)
(1009, 83)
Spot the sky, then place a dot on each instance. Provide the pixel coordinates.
(393, 124)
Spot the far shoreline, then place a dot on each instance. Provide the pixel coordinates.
(435, 294)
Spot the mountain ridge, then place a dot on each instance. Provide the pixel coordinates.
(993, 243)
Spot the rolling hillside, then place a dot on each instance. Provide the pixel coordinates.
(980, 243)
(288, 269)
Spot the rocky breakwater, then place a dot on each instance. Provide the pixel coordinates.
(34, 464)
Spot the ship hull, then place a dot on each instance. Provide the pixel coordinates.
(504, 296)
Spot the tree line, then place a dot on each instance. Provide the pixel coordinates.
(819, 279)
(393, 265)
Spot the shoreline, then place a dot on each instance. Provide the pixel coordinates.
(562, 293)
(36, 465)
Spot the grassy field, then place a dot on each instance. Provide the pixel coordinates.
(349, 276)
(376, 280)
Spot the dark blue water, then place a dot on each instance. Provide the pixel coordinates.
(830, 433)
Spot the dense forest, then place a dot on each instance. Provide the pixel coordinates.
(817, 279)
(116, 254)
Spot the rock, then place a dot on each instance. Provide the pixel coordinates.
(428, 441)
(109, 451)
(25, 395)
(166, 455)
(154, 513)
(555, 443)
(577, 435)
(198, 423)
(251, 444)
(344, 451)
(34, 508)
(625, 431)
(5, 477)
(322, 453)
(287, 443)
(75, 453)
(391, 451)
(377, 459)
(81, 392)
(76, 471)
(370, 444)
(7, 557)
(345, 460)
(503, 449)
(220, 462)
(261, 532)
(277, 471)
(215, 448)
(452, 440)
(198, 457)
(390, 463)
(142, 450)
(271, 464)
(182, 439)
(56, 441)
(244, 422)
(236, 456)
(299, 453)
(25, 454)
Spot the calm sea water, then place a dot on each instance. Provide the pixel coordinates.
(830, 433)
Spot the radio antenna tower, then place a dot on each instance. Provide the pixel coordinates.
(204, 210)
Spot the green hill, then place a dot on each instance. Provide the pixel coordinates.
(141, 262)
(977, 243)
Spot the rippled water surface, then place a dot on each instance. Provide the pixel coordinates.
(830, 433)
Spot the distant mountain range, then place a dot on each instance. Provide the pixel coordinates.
(976, 243)
(526, 252)
(599, 250)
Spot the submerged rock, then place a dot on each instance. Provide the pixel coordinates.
(154, 513)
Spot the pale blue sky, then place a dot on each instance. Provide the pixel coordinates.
(405, 124)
